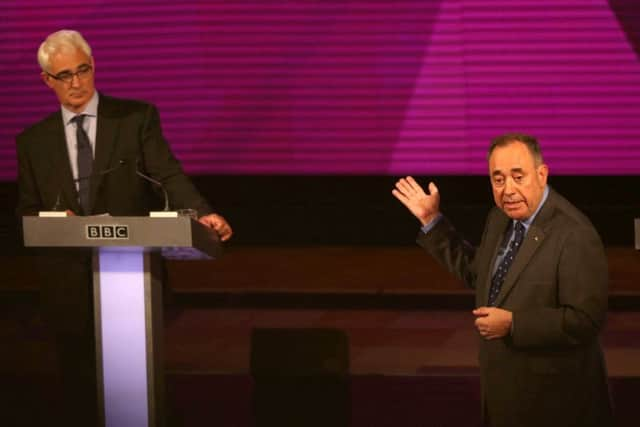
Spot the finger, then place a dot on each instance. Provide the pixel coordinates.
(219, 221)
(224, 231)
(481, 311)
(400, 196)
(219, 226)
(414, 185)
(226, 235)
(214, 221)
(481, 322)
(404, 186)
(207, 221)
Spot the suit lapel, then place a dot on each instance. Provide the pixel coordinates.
(66, 187)
(106, 134)
(532, 242)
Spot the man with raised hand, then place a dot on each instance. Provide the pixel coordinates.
(540, 279)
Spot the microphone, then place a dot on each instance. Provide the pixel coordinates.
(121, 163)
(156, 183)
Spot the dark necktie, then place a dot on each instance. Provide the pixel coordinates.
(85, 163)
(503, 268)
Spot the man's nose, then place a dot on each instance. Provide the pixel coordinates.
(75, 80)
(509, 185)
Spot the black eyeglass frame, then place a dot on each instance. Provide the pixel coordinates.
(82, 72)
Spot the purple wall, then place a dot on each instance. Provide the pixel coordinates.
(355, 87)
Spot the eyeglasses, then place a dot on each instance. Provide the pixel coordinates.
(67, 76)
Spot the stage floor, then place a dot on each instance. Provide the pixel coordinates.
(380, 341)
(400, 363)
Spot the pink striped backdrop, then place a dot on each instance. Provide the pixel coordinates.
(350, 87)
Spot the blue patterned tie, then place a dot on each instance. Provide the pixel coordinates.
(498, 278)
(85, 163)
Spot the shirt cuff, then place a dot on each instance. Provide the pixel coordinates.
(428, 226)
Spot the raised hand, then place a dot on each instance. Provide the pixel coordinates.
(423, 206)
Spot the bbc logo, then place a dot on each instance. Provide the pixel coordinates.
(107, 232)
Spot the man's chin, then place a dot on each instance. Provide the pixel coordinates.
(516, 212)
(76, 102)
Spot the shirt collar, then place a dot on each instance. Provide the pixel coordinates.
(90, 110)
(527, 222)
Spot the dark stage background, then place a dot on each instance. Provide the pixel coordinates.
(360, 210)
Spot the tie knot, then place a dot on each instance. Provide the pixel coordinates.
(79, 119)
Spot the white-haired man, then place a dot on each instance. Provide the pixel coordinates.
(63, 162)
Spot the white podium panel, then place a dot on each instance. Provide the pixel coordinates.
(129, 357)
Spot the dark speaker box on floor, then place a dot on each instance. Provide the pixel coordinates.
(301, 377)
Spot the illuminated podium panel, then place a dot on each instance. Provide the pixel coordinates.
(127, 275)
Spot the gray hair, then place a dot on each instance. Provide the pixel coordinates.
(61, 41)
(529, 141)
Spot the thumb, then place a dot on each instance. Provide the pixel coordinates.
(433, 189)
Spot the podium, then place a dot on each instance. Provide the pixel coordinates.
(127, 289)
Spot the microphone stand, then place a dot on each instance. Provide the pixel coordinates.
(56, 210)
(164, 213)
(160, 185)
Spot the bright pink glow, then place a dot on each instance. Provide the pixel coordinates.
(358, 87)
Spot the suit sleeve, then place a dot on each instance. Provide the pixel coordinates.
(160, 163)
(29, 200)
(451, 250)
(582, 281)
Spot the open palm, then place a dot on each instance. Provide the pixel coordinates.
(423, 206)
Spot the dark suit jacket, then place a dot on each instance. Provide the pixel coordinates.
(127, 131)
(550, 371)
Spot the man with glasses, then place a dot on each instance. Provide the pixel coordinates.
(83, 159)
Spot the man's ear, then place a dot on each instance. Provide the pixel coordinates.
(46, 79)
(543, 174)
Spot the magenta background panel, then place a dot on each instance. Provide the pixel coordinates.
(350, 87)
